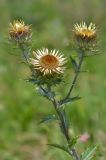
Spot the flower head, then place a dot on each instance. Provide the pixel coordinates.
(19, 31)
(84, 32)
(48, 62)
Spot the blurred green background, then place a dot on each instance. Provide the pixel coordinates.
(21, 107)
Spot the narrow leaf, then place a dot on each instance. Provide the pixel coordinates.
(32, 80)
(59, 147)
(75, 98)
(48, 119)
(88, 153)
(46, 93)
(68, 100)
(74, 63)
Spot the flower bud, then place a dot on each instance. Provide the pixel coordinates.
(85, 36)
(19, 32)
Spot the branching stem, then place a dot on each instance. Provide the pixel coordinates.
(76, 76)
(61, 114)
(74, 79)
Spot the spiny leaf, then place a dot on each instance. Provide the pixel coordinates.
(83, 71)
(48, 119)
(75, 98)
(59, 147)
(88, 153)
(33, 80)
(73, 141)
(46, 93)
(74, 63)
(68, 100)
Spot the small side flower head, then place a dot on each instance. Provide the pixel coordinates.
(18, 31)
(84, 32)
(86, 37)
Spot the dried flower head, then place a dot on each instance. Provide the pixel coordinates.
(19, 31)
(48, 62)
(84, 32)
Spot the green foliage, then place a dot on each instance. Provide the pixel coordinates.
(46, 93)
(88, 154)
(74, 63)
(48, 118)
(69, 100)
(73, 141)
(60, 147)
(50, 80)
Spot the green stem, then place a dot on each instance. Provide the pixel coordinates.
(24, 51)
(61, 114)
(75, 77)
(72, 150)
(74, 80)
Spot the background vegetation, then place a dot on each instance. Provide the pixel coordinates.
(21, 108)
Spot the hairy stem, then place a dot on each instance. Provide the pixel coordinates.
(61, 116)
(24, 51)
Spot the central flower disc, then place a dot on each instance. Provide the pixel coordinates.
(49, 62)
(17, 26)
(86, 32)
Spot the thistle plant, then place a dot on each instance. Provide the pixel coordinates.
(47, 68)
